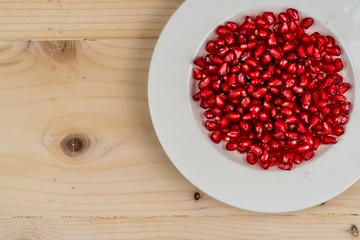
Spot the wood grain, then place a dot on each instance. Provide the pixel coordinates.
(245, 228)
(67, 19)
(51, 91)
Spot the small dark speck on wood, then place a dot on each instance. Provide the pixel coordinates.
(197, 196)
(354, 231)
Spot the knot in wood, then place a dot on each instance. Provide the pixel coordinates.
(74, 145)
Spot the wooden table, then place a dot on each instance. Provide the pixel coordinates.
(79, 158)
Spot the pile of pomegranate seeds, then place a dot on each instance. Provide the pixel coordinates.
(271, 90)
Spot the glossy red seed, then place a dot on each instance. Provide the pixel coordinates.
(251, 158)
(276, 52)
(264, 157)
(280, 125)
(334, 51)
(211, 125)
(216, 137)
(293, 13)
(306, 23)
(338, 130)
(211, 47)
(285, 166)
(345, 107)
(308, 155)
(339, 98)
(231, 146)
(283, 16)
(341, 119)
(315, 119)
(234, 117)
(197, 73)
(338, 64)
(263, 116)
(270, 17)
(329, 140)
(343, 87)
(260, 92)
(223, 69)
(200, 62)
(222, 31)
(232, 26)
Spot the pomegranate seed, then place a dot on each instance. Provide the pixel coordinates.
(269, 126)
(315, 119)
(276, 52)
(263, 116)
(197, 96)
(231, 146)
(329, 140)
(338, 130)
(345, 107)
(270, 17)
(256, 150)
(211, 126)
(306, 23)
(222, 31)
(343, 88)
(308, 155)
(284, 17)
(251, 158)
(287, 166)
(341, 120)
(339, 98)
(334, 51)
(216, 137)
(211, 47)
(280, 125)
(232, 26)
(246, 143)
(244, 126)
(200, 62)
(306, 99)
(293, 13)
(298, 90)
(291, 119)
(264, 157)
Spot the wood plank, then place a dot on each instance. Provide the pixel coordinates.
(245, 228)
(66, 19)
(95, 91)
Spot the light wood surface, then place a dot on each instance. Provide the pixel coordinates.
(119, 184)
(79, 19)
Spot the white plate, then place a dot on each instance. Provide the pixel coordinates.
(224, 175)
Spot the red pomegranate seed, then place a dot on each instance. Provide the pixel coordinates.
(308, 155)
(284, 17)
(211, 126)
(232, 26)
(338, 130)
(341, 120)
(270, 17)
(306, 23)
(293, 13)
(287, 166)
(222, 31)
(329, 140)
(315, 119)
(343, 88)
(334, 51)
(251, 158)
(345, 107)
(301, 128)
(231, 146)
(306, 99)
(216, 137)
